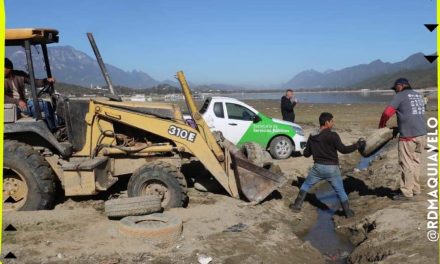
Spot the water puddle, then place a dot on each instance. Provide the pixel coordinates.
(335, 247)
(366, 161)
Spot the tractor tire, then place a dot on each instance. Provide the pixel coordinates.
(254, 153)
(142, 205)
(267, 158)
(163, 229)
(28, 180)
(160, 178)
(258, 156)
(281, 147)
(377, 140)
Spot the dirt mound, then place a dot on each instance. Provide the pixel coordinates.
(389, 234)
(384, 230)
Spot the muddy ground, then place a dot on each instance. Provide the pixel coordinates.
(384, 231)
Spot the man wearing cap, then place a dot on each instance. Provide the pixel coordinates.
(409, 106)
(15, 83)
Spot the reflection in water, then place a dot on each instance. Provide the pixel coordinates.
(365, 161)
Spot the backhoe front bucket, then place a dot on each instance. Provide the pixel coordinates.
(254, 182)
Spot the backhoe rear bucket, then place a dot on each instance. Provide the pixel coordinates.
(254, 182)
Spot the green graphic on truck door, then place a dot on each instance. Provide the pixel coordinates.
(263, 131)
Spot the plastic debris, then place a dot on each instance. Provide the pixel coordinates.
(204, 259)
(236, 228)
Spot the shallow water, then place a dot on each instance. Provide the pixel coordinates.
(365, 161)
(334, 98)
(335, 247)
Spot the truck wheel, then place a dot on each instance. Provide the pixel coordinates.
(281, 147)
(162, 179)
(141, 205)
(28, 181)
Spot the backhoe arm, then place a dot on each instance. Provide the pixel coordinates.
(202, 127)
(184, 137)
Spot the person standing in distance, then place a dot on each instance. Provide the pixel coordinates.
(288, 103)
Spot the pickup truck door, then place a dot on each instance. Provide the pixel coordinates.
(239, 119)
(215, 117)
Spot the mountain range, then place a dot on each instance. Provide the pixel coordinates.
(75, 67)
(360, 75)
(72, 66)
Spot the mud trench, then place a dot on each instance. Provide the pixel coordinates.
(335, 247)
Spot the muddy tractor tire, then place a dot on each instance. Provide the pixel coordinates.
(281, 147)
(28, 180)
(163, 229)
(377, 140)
(258, 156)
(267, 158)
(142, 205)
(255, 154)
(162, 179)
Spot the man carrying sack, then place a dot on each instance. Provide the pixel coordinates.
(409, 106)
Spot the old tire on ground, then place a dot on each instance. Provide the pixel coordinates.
(255, 153)
(160, 178)
(376, 140)
(267, 158)
(141, 205)
(155, 228)
(281, 147)
(258, 156)
(28, 180)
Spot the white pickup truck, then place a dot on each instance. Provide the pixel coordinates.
(241, 123)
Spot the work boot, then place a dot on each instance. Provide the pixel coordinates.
(401, 197)
(347, 211)
(296, 206)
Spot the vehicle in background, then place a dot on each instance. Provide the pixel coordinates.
(241, 123)
(103, 139)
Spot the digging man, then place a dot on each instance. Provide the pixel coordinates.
(324, 146)
(410, 109)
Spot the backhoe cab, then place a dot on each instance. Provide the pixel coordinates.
(26, 38)
(99, 140)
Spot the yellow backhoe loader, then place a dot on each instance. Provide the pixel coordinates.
(98, 140)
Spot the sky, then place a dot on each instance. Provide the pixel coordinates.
(258, 43)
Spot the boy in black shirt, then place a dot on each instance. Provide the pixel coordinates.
(324, 146)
